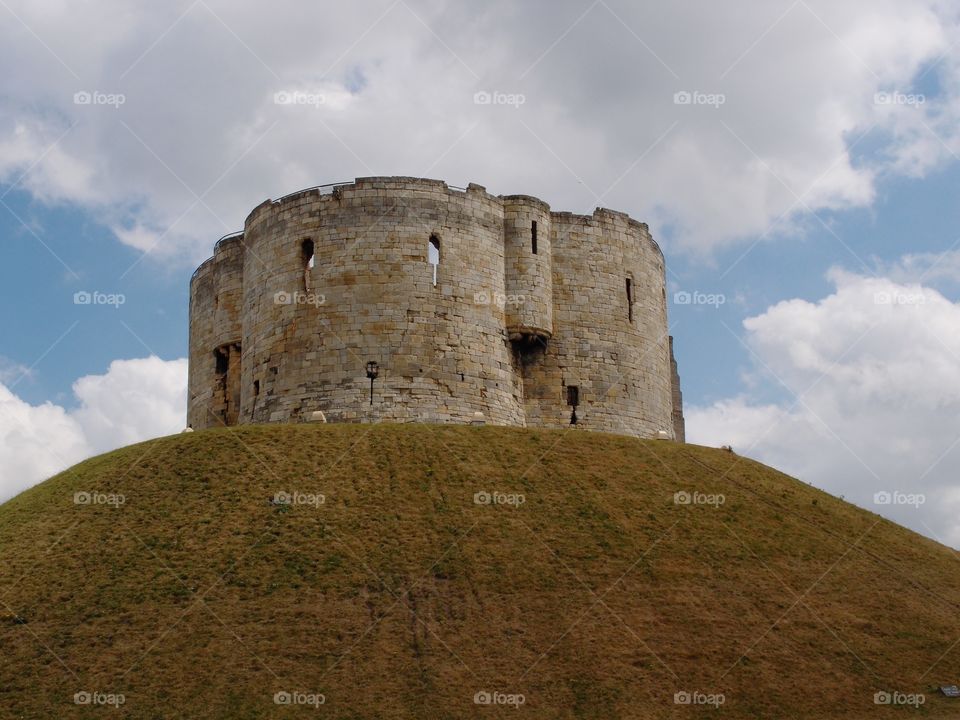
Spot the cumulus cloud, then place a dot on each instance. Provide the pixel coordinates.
(389, 88)
(870, 377)
(134, 400)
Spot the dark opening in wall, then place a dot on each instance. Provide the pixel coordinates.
(433, 255)
(221, 356)
(533, 236)
(226, 389)
(630, 299)
(306, 257)
(573, 399)
(306, 253)
(256, 388)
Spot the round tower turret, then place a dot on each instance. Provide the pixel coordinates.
(528, 304)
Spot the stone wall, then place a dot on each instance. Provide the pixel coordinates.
(215, 336)
(287, 315)
(528, 301)
(614, 355)
(679, 424)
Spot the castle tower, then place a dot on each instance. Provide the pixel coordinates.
(608, 360)
(529, 277)
(216, 293)
(405, 300)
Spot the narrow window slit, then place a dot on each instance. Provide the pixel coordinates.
(533, 236)
(573, 399)
(307, 258)
(433, 255)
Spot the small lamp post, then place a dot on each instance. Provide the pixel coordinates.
(373, 369)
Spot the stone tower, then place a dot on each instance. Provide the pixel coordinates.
(471, 305)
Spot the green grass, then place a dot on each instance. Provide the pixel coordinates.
(400, 597)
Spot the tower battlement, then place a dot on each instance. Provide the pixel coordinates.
(469, 304)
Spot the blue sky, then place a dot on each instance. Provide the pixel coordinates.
(910, 215)
(797, 158)
(68, 251)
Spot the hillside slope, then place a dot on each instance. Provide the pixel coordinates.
(198, 594)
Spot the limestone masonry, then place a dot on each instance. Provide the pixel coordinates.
(462, 306)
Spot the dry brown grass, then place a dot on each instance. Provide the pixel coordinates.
(400, 597)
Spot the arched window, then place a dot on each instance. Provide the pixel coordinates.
(306, 253)
(433, 255)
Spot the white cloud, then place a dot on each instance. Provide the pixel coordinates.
(35, 442)
(200, 140)
(872, 379)
(134, 400)
(12, 371)
(928, 268)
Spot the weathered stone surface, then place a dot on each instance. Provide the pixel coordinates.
(513, 334)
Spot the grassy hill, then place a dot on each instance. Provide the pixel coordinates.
(186, 586)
